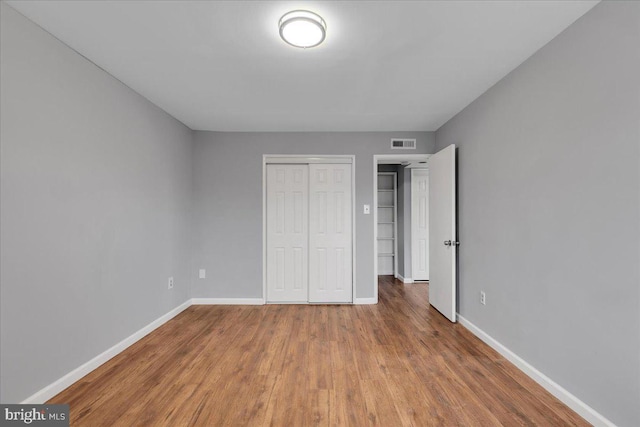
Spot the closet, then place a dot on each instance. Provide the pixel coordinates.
(387, 226)
(309, 233)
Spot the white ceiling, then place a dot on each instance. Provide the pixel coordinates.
(385, 65)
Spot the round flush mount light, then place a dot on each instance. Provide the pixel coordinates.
(302, 28)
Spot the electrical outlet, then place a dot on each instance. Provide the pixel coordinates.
(483, 298)
(170, 282)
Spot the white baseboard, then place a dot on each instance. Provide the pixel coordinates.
(365, 301)
(227, 301)
(405, 279)
(57, 386)
(584, 410)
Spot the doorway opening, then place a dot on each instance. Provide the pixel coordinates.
(400, 217)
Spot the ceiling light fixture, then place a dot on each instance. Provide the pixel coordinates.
(302, 28)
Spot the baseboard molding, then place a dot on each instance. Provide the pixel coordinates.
(405, 279)
(365, 301)
(584, 410)
(57, 386)
(227, 301)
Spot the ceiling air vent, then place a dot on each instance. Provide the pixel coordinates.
(399, 143)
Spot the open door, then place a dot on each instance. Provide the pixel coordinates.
(443, 244)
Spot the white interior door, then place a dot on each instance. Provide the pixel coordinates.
(287, 233)
(330, 253)
(420, 224)
(442, 231)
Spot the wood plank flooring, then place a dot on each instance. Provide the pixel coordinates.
(397, 363)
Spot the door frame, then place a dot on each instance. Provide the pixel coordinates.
(308, 159)
(381, 159)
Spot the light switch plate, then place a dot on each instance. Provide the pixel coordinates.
(202, 273)
(367, 209)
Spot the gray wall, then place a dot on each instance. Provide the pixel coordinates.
(95, 198)
(549, 206)
(228, 202)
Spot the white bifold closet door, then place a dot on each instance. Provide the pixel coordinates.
(309, 233)
(330, 246)
(287, 233)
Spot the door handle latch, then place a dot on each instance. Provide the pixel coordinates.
(451, 243)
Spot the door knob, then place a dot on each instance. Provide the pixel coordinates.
(447, 242)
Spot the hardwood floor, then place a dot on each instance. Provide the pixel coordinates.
(396, 363)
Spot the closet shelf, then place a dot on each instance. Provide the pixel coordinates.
(386, 205)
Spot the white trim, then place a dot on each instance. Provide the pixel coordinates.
(62, 383)
(365, 301)
(396, 238)
(227, 301)
(402, 157)
(297, 159)
(354, 212)
(375, 227)
(584, 410)
(377, 159)
(264, 227)
(312, 158)
(405, 279)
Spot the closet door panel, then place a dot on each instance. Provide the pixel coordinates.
(330, 233)
(287, 233)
